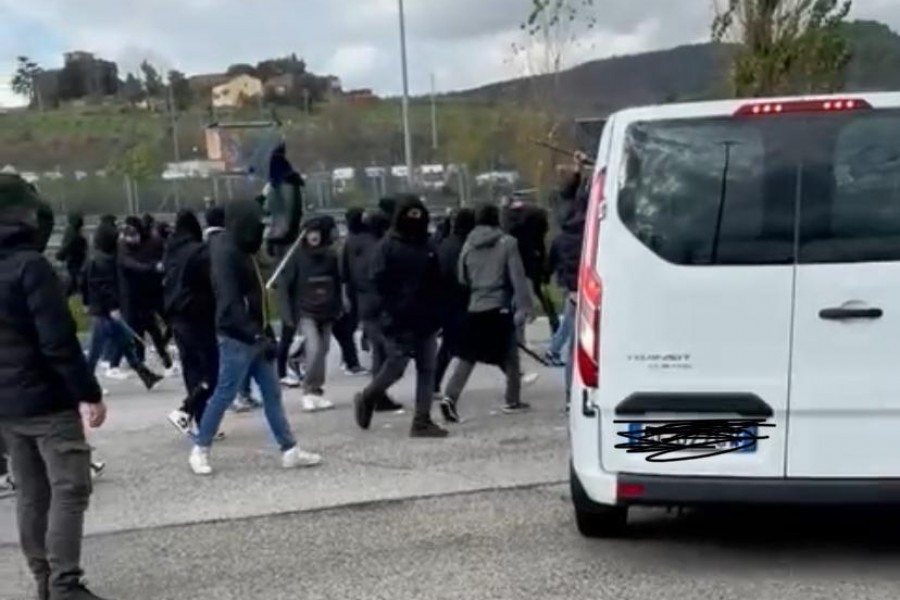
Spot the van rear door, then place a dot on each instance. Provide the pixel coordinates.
(696, 264)
(845, 400)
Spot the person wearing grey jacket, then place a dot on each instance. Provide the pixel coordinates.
(490, 266)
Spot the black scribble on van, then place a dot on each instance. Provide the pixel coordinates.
(674, 441)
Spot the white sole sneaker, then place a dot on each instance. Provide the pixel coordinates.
(290, 382)
(181, 421)
(199, 461)
(322, 403)
(308, 404)
(529, 379)
(295, 458)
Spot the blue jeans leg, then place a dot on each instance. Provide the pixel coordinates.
(564, 332)
(264, 374)
(101, 335)
(235, 359)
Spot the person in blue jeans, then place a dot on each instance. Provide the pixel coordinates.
(247, 344)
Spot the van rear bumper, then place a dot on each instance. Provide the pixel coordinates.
(665, 490)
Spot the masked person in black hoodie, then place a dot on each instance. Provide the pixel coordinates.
(345, 327)
(406, 276)
(246, 342)
(44, 379)
(189, 306)
(455, 295)
(73, 252)
(311, 285)
(104, 305)
(357, 257)
(140, 269)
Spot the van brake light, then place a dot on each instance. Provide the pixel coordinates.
(759, 109)
(590, 291)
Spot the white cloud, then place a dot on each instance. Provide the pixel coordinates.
(464, 42)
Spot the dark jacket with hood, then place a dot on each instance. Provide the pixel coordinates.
(42, 368)
(101, 275)
(406, 274)
(356, 230)
(530, 225)
(241, 313)
(456, 295)
(138, 275)
(310, 284)
(358, 265)
(187, 284)
(73, 250)
(565, 251)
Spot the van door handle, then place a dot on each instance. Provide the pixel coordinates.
(844, 314)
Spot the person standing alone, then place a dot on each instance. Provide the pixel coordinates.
(44, 380)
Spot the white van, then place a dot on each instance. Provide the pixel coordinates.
(738, 328)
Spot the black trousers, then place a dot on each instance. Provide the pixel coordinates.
(143, 325)
(344, 331)
(51, 463)
(73, 284)
(199, 353)
(284, 348)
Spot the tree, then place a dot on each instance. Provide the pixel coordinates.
(153, 83)
(24, 79)
(132, 89)
(241, 69)
(182, 95)
(786, 46)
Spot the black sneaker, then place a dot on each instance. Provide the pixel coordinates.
(514, 409)
(363, 410)
(427, 429)
(448, 409)
(79, 592)
(387, 405)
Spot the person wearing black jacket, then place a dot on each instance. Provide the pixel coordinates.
(357, 258)
(189, 306)
(564, 259)
(44, 380)
(246, 342)
(104, 306)
(312, 287)
(455, 305)
(140, 269)
(345, 327)
(406, 277)
(73, 252)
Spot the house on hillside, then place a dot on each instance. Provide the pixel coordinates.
(237, 91)
(202, 85)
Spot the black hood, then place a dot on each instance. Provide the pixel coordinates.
(355, 222)
(135, 223)
(106, 238)
(244, 220)
(215, 216)
(76, 220)
(388, 206)
(377, 223)
(187, 226)
(411, 220)
(26, 221)
(463, 222)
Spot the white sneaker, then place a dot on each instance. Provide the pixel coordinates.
(322, 403)
(529, 379)
(199, 461)
(290, 381)
(181, 421)
(296, 458)
(308, 403)
(172, 371)
(97, 468)
(116, 374)
(103, 365)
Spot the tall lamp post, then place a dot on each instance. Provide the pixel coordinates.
(407, 134)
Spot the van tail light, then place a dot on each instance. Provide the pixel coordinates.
(590, 290)
(761, 109)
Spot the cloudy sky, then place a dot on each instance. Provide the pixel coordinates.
(463, 42)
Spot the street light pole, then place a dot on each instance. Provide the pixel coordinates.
(407, 134)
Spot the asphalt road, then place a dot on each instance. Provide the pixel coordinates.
(482, 514)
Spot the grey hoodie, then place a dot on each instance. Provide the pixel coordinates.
(491, 267)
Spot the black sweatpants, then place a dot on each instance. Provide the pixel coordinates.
(144, 325)
(344, 331)
(284, 348)
(51, 464)
(199, 353)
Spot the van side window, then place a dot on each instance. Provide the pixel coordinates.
(862, 220)
(697, 192)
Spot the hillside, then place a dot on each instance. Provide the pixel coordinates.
(683, 73)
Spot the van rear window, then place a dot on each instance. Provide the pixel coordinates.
(727, 190)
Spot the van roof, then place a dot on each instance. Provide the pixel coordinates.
(729, 107)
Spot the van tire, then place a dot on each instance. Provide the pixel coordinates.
(596, 520)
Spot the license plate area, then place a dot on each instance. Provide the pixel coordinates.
(672, 440)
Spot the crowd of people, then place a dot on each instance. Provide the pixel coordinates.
(465, 291)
